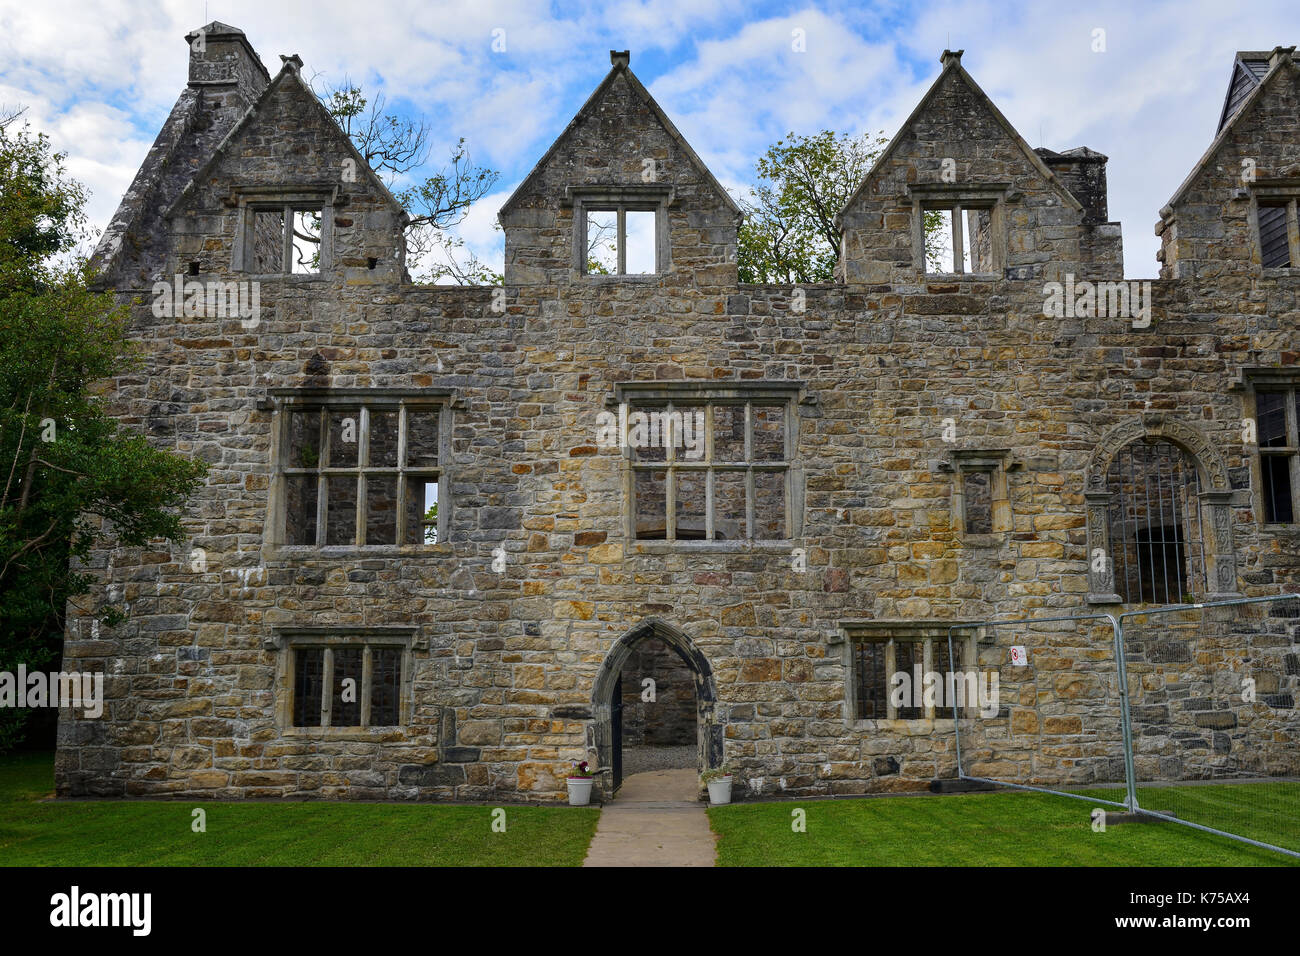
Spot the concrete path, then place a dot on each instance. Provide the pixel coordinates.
(654, 821)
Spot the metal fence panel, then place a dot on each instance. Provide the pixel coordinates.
(1058, 724)
(1184, 712)
(1215, 728)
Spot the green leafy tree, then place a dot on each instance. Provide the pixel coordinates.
(789, 233)
(70, 475)
(803, 182)
(431, 524)
(395, 148)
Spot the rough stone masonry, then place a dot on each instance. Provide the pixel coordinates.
(914, 445)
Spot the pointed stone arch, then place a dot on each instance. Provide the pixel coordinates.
(1215, 503)
(709, 731)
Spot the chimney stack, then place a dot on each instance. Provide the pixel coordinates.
(951, 56)
(222, 59)
(620, 57)
(1279, 55)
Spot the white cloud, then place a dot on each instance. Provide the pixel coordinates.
(742, 92)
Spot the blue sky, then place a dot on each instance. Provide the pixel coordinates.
(100, 77)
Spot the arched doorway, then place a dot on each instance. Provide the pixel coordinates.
(642, 643)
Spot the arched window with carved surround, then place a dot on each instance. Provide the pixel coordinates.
(1159, 516)
(1155, 531)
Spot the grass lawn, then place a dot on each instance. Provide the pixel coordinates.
(137, 833)
(1268, 812)
(976, 829)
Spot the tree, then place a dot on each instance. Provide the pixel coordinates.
(70, 475)
(431, 524)
(395, 147)
(789, 232)
(602, 246)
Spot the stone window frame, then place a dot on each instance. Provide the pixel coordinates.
(621, 199)
(285, 642)
(1252, 380)
(1276, 192)
(666, 395)
(960, 197)
(1216, 500)
(997, 462)
(249, 200)
(282, 402)
(853, 633)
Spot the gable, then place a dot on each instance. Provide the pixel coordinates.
(1278, 91)
(115, 260)
(1248, 70)
(956, 120)
(622, 122)
(319, 152)
(225, 78)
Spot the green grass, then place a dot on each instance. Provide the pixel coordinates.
(978, 829)
(975, 829)
(158, 833)
(1268, 812)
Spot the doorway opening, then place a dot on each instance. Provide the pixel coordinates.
(654, 706)
(658, 710)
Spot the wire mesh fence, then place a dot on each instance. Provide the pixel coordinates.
(1184, 712)
(1058, 723)
(1215, 729)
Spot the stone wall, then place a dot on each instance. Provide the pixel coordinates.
(512, 614)
(668, 718)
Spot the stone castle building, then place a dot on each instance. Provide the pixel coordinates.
(445, 528)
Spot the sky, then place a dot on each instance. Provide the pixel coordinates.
(1142, 82)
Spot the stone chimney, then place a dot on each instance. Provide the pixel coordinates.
(1083, 172)
(222, 59)
(951, 56)
(620, 57)
(1279, 55)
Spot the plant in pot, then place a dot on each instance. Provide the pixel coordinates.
(579, 781)
(718, 780)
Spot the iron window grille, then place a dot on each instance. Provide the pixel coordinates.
(877, 658)
(1157, 544)
(348, 683)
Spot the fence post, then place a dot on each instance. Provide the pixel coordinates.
(1125, 721)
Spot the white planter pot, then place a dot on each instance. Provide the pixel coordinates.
(720, 791)
(580, 791)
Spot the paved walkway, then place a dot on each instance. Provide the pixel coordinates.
(654, 821)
